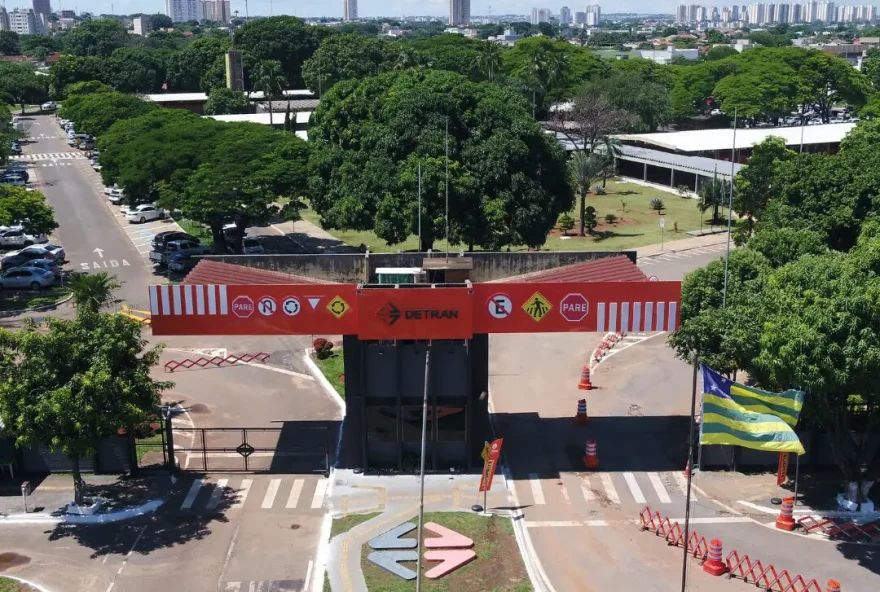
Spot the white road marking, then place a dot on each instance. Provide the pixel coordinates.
(243, 493)
(228, 557)
(218, 492)
(659, 488)
(295, 493)
(634, 488)
(308, 574)
(125, 561)
(570, 523)
(537, 492)
(191, 495)
(683, 485)
(320, 490)
(280, 370)
(274, 484)
(610, 491)
(233, 586)
(589, 496)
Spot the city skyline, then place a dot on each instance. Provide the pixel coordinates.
(768, 13)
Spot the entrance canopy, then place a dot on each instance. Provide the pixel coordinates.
(415, 311)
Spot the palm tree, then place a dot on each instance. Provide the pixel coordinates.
(489, 59)
(584, 169)
(536, 75)
(93, 291)
(712, 197)
(610, 150)
(271, 81)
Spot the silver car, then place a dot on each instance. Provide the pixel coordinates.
(21, 278)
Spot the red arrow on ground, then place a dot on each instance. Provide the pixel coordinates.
(448, 539)
(451, 559)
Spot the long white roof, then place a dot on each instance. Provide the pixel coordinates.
(263, 118)
(196, 97)
(722, 139)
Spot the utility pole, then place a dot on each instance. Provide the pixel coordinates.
(422, 468)
(729, 211)
(447, 189)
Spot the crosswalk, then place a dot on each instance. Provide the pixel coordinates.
(666, 257)
(53, 156)
(234, 493)
(603, 489)
(265, 586)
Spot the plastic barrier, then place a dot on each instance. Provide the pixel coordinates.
(581, 418)
(767, 577)
(585, 384)
(785, 520)
(840, 529)
(832, 586)
(141, 316)
(714, 564)
(215, 362)
(673, 533)
(591, 457)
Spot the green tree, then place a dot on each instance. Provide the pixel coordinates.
(506, 177)
(871, 67)
(754, 183)
(489, 60)
(784, 245)
(270, 80)
(343, 57)
(196, 67)
(97, 38)
(566, 223)
(768, 39)
(160, 21)
(28, 208)
(7, 135)
(284, 39)
(758, 89)
(32, 45)
(95, 113)
(825, 80)
(70, 69)
(223, 101)
(10, 43)
(93, 292)
(135, 69)
(714, 195)
(69, 383)
(719, 52)
(714, 36)
(451, 52)
(590, 220)
(581, 64)
(648, 100)
(584, 168)
(20, 84)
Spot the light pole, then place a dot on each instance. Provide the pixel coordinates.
(167, 411)
(422, 468)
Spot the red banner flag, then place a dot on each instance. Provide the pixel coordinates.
(782, 470)
(491, 464)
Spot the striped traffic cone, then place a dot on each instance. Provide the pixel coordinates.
(714, 565)
(833, 586)
(585, 384)
(785, 520)
(581, 416)
(591, 458)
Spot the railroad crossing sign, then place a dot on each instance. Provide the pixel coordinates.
(243, 307)
(574, 308)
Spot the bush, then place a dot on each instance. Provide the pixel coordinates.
(610, 218)
(566, 223)
(657, 204)
(623, 206)
(322, 348)
(599, 190)
(590, 221)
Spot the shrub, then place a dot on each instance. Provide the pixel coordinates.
(322, 348)
(599, 190)
(675, 227)
(684, 191)
(610, 218)
(590, 221)
(657, 204)
(566, 223)
(623, 206)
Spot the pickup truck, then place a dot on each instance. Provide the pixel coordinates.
(183, 247)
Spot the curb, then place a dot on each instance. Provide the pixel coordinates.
(39, 308)
(109, 518)
(33, 585)
(322, 380)
(673, 251)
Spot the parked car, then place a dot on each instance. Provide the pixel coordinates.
(115, 196)
(17, 169)
(33, 278)
(180, 262)
(16, 148)
(145, 212)
(21, 258)
(48, 106)
(52, 267)
(185, 248)
(252, 246)
(16, 237)
(13, 179)
(163, 238)
(54, 252)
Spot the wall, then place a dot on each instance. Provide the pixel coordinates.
(353, 268)
(113, 456)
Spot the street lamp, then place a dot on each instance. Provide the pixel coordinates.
(167, 412)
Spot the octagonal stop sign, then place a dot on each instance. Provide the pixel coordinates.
(574, 308)
(243, 306)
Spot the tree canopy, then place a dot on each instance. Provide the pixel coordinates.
(20, 84)
(285, 39)
(225, 101)
(95, 112)
(343, 57)
(27, 208)
(98, 38)
(507, 181)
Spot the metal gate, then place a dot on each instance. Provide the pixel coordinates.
(259, 450)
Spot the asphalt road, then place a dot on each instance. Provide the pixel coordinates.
(91, 236)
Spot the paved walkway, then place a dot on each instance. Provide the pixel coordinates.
(684, 244)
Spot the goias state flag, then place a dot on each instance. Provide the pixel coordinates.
(737, 415)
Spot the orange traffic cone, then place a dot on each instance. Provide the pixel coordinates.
(591, 458)
(785, 520)
(581, 416)
(585, 384)
(714, 564)
(687, 468)
(833, 586)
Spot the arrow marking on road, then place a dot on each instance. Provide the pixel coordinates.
(388, 560)
(100, 252)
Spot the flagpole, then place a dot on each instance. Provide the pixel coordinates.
(729, 211)
(422, 469)
(690, 446)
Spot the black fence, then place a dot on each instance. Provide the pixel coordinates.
(266, 450)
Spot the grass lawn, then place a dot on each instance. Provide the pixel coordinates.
(637, 225)
(333, 368)
(196, 229)
(7, 585)
(150, 444)
(345, 523)
(498, 566)
(26, 299)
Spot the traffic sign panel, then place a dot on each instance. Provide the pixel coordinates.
(291, 306)
(242, 306)
(500, 306)
(267, 306)
(574, 307)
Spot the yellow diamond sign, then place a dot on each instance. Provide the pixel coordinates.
(537, 306)
(338, 307)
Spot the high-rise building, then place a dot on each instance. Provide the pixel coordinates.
(182, 11)
(594, 15)
(141, 25)
(811, 12)
(459, 12)
(756, 13)
(4, 19)
(827, 13)
(65, 13)
(349, 10)
(681, 14)
(580, 18)
(565, 15)
(23, 21)
(735, 13)
(42, 7)
(701, 14)
(217, 11)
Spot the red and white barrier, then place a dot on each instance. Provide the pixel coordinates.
(215, 362)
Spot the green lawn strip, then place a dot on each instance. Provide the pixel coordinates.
(637, 225)
(196, 229)
(332, 368)
(498, 566)
(27, 299)
(149, 444)
(7, 585)
(345, 523)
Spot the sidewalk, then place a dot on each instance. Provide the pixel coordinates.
(683, 244)
(306, 236)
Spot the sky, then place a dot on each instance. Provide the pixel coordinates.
(333, 8)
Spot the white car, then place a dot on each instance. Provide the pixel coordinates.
(16, 237)
(48, 106)
(115, 196)
(252, 246)
(144, 212)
